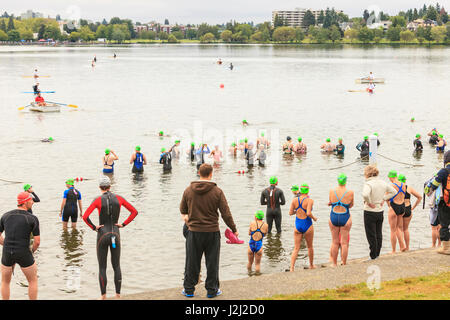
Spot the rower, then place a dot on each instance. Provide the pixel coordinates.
(35, 75)
(115, 55)
(370, 87)
(36, 88)
(95, 58)
(40, 100)
(370, 77)
(231, 66)
(220, 61)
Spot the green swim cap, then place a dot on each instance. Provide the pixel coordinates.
(259, 215)
(441, 136)
(375, 134)
(366, 138)
(299, 139)
(233, 144)
(273, 180)
(163, 149)
(245, 140)
(177, 141)
(304, 188)
(161, 133)
(70, 182)
(328, 139)
(413, 119)
(50, 139)
(402, 178)
(342, 179)
(244, 120)
(433, 133)
(339, 139)
(417, 135)
(295, 188)
(107, 151)
(192, 144)
(262, 134)
(138, 148)
(26, 187)
(392, 174)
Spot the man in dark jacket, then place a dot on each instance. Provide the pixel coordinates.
(198, 208)
(273, 198)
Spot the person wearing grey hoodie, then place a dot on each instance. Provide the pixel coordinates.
(199, 209)
(375, 193)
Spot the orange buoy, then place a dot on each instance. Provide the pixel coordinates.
(222, 86)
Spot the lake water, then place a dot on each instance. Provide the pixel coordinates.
(283, 90)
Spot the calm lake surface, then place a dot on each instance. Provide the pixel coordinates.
(283, 90)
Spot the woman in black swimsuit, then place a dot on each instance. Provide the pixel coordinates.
(396, 211)
(408, 208)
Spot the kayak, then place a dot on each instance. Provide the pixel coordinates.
(49, 107)
(375, 80)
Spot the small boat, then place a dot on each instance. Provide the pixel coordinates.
(49, 107)
(365, 80)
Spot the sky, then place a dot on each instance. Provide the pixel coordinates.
(198, 11)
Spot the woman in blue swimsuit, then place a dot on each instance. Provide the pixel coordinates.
(301, 206)
(341, 200)
(396, 211)
(258, 229)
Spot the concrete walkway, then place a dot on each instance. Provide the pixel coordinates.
(400, 265)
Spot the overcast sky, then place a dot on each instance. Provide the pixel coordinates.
(197, 11)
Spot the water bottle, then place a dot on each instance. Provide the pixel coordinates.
(113, 241)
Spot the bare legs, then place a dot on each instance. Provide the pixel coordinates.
(31, 275)
(256, 257)
(396, 226)
(340, 237)
(309, 236)
(435, 236)
(406, 222)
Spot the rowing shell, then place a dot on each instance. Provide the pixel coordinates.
(375, 80)
(49, 107)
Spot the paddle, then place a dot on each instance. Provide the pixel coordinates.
(21, 108)
(356, 90)
(63, 104)
(39, 91)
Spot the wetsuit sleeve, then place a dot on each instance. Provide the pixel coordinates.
(129, 207)
(97, 203)
(35, 231)
(283, 200)
(161, 159)
(35, 197)
(79, 195)
(440, 178)
(2, 227)
(65, 194)
(263, 198)
(225, 212)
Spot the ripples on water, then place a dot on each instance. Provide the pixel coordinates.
(296, 91)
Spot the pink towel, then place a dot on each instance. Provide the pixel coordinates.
(232, 239)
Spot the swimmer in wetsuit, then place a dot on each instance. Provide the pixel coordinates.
(49, 139)
(363, 148)
(69, 207)
(166, 160)
(418, 147)
(341, 200)
(301, 206)
(434, 136)
(396, 211)
(408, 208)
(440, 145)
(108, 235)
(340, 148)
(273, 198)
(258, 229)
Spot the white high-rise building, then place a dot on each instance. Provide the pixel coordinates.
(30, 14)
(294, 18)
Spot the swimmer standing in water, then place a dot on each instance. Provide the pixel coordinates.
(288, 147)
(216, 154)
(258, 229)
(328, 147)
(300, 147)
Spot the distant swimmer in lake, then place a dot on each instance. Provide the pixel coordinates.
(49, 139)
(138, 160)
(40, 100)
(370, 88)
(363, 148)
(418, 147)
(328, 147)
(340, 148)
(262, 141)
(115, 56)
(161, 134)
(288, 147)
(434, 136)
(95, 58)
(108, 161)
(258, 229)
(440, 146)
(233, 149)
(219, 61)
(231, 66)
(300, 147)
(244, 123)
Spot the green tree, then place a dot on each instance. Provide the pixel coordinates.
(163, 35)
(207, 38)
(308, 19)
(439, 33)
(11, 23)
(278, 22)
(239, 37)
(378, 33)
(335, 34)
(86, 34)
(172, 39)
(428, 35)
(41, 31)
(406, 36)
(246, 30)
(3, 25)
(321, 17)
(284, 34)
(74, 36)
(351, 34)
(365, 34)
(226, 36)
(3, 36)
(393, 33)
(52, 32)
(26, 34)
(431, 13)
(191, 34)
(323, 35)
(179, 35)
(115, 20)
(299, 35)
(101, 32)
(256, 37)
(398, 21)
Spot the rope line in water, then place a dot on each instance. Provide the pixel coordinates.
(10, 181)
(342, 166)
(409, 164)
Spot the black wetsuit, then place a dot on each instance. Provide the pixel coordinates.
(434, 139)
(18, 225)
(35, 199)
(108, 237)
(70, 209)
(192, 153)
(166, 161)
(418, 145)
(340, 149)
(363, 148)
(273, 198)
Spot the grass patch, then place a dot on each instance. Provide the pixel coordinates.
(433, 287)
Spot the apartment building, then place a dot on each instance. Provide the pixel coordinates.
(294, 18)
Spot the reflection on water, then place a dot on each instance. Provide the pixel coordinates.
(417, 155)
(71, 242)
(273, 247)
